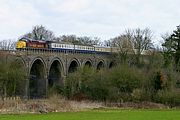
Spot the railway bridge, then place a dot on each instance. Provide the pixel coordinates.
(45, 68)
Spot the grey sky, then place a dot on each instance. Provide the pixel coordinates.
(102, 18)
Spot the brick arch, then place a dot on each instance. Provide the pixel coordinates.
(61, 61)
(112, 64)
(37, 78)
(100, 64)
(38, 58)
(56, 71)
(87, 62)
(73, 65)
(23, 61)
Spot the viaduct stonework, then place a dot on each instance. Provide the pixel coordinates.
(45, 68)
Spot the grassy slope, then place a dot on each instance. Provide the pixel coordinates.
(101, 115)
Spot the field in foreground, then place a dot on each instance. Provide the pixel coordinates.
(117, 114)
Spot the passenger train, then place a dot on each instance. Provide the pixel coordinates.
(27, 43)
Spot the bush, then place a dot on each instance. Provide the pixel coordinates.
(122, 83)
(171, 98)
(126, 79)
(115, 84)
(12, 77)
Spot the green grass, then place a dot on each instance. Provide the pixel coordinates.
(101, 115)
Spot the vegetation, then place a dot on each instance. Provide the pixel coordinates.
(101, 115)
(7, 45)
(172, 48)
(148, 82)
(40, 33)
(133, 42)
(12, 77)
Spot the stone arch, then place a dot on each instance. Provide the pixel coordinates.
(22, 63)
(100, 65)
(88, 63)
(73, 65)
(20, 59)
(56, 72)
(37, 79)
(112, 64)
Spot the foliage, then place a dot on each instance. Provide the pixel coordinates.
(171, 98)
(124, 80)
(172, 47)
(12, 80)
(124, 83)
(117, 83)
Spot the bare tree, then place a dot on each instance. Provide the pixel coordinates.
(40, 33)
(133, 42)
(84, 40)
(123, 44)
(142, 40)
(107, 43)
(7, 45)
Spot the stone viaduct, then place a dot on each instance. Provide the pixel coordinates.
(45, 68)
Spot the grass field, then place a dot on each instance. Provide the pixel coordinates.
(101, 115)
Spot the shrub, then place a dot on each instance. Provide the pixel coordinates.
(126, 79)
(171, 98)
(115, 84)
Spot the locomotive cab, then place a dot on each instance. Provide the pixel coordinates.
(22, 43)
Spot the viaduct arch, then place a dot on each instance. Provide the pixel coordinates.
(37, 81)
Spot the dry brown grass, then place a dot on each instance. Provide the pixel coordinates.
(141, 105)
(57, 103)
(53, 104)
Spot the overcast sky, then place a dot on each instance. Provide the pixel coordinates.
(102, 18)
